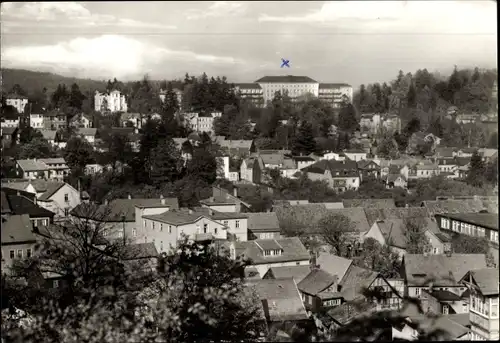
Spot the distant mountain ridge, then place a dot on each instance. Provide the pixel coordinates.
(32, 81)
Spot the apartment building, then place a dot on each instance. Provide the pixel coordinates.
(471, 224)
(483, 312)
(18, 101)
(335, 93)
(202, 122)
(18, 239)
(113, 101)
(54, 120)
(340, 175)
(46, 168)
(251, 92)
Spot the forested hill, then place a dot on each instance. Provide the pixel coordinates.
(34, 81)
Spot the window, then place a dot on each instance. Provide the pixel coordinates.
(66, 212)
(445, 309)
(170, 229)
(237, 224)
(55, 283)
(66, 197)
(226, 223)
(19, 253)
(12, 254)
(153, 225)
(134, 232)
(417, 292)
(161, 227)
(435, 251)
(297, 263)
(161, 245)
(215, 230)
(28, 253)
(205, 228)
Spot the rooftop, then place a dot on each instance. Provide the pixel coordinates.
(293, 250)
(369, 203)
(262, 222)
(17, 229)
(286, 79)
(296, 272)
(488, 220)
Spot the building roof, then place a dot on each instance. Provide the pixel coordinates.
(262, 222)
(56, 160)
(16, 229)
(460, 318)
(445, 152)
(49, 135)
(369, 203)
(316, 281)
(459, 206)
(442, 269)
(280, 299)
(20, 204)
(138, 251)
(332, 264)
(176, 217)
(52, 188)
(90, 131)
(293, 250)
(374, 214)
(296, 272)
(363, 164)
(443, 295)
(286, 79)
(5, 204)
(355, 280)
(32, 165)
(451, 330)
(247, 85)
(488, 152)
(488, 220)
(124, 207)
(333, 85)
(344, 313)
(349, 167)
(486, 280)
(8, 131)
(236, 144)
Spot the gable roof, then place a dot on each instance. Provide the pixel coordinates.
(280, 299)
(286, 79)
(293, 250)
(443, 269)
(486, 280)
(32, 165)
(20, 204)
(52, 188)
(178, 217)
(17, 229)
(460, 206)
(369, 203)
(333, 166)
(296, 272)
(263, 221)
(355, 280)
(488, 220)
(5, 203)
(333, 264)
(48, 135)
(236, 144)
(374, 214)
(316, 281)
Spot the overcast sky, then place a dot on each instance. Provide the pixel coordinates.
(352, 41)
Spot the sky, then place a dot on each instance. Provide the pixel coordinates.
(340, 41)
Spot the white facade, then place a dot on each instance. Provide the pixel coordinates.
(333, 156)
(202, 123)
(116, 101)
(10, 122)
(355, 156)
(18, 102)
(61, 202)
(36, 121)
(335, 93)
(294, 89)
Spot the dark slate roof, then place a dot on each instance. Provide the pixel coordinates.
(286, 79)
(296, 272)
(486, 279)
(20, 204)
(262, 222)
(460, 206)
(8, 131)
(176, 217)
(5, 203)
(316, 281)
(444, 295)
(16, 229)
(369, 203)
(488, 220)
(333, 85)
(280, 299)
(363, 164)
(374, 214)
(293, 250)
(444, 270)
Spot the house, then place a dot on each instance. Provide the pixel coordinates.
(355, 154)
(475, 204)
(122, 218)
(423, 170)
(139, 257)
(422, 141)
(82, 120)
(339, 175)
(166, 229)
(18, 101)
(445, 152)
(369, 203)
(235, 222)
(483, 312)
(471, 224)
(466, 152)
(239, 148)
(47, 168)
(135, 120)
(49, 136)
(55, 120)
(89, 134)
(442, 301)
(368, 168)
(251, 169)
(57, 197)
(18, 239)
(281, 305)
(298, 273)
(391, 232)
(396, 180)
(112, 101)
(9, 122)
(223, 201)
(438, 271)
(334, 156)
(303, 161)
(446, 165)
(264, 225)
(17, 202)
(269, 253)
(289, 168)
(202, 122)
(467, 118)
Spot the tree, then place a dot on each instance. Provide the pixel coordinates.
(476, 174)
(36, 148)
(388, 148)
(27, 134)
(118, 148)
(78, 153)
(465, 244)
(379, 258)
(416, 241)
(304, 142)
(76, 97)
(411, 97)
(491, 171)
(165, 162)
(347, 118)
(335, 230)
(203, 165)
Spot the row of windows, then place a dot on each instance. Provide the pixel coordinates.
(476, 337)
(332, 302)
(274, 252)
(13, 255)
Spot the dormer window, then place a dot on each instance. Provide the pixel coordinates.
(273, 252)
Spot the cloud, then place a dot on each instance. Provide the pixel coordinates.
(218, 9)
(66, 14)
(406, 16)
(104, 56)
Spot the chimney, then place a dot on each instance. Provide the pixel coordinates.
(130, 196)
(235, 191)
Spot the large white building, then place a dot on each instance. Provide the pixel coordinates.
(18, 101)
(202, 122)
(113, 101)
(252, 92)
(297, 86)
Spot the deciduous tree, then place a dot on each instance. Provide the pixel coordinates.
(336, 231)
